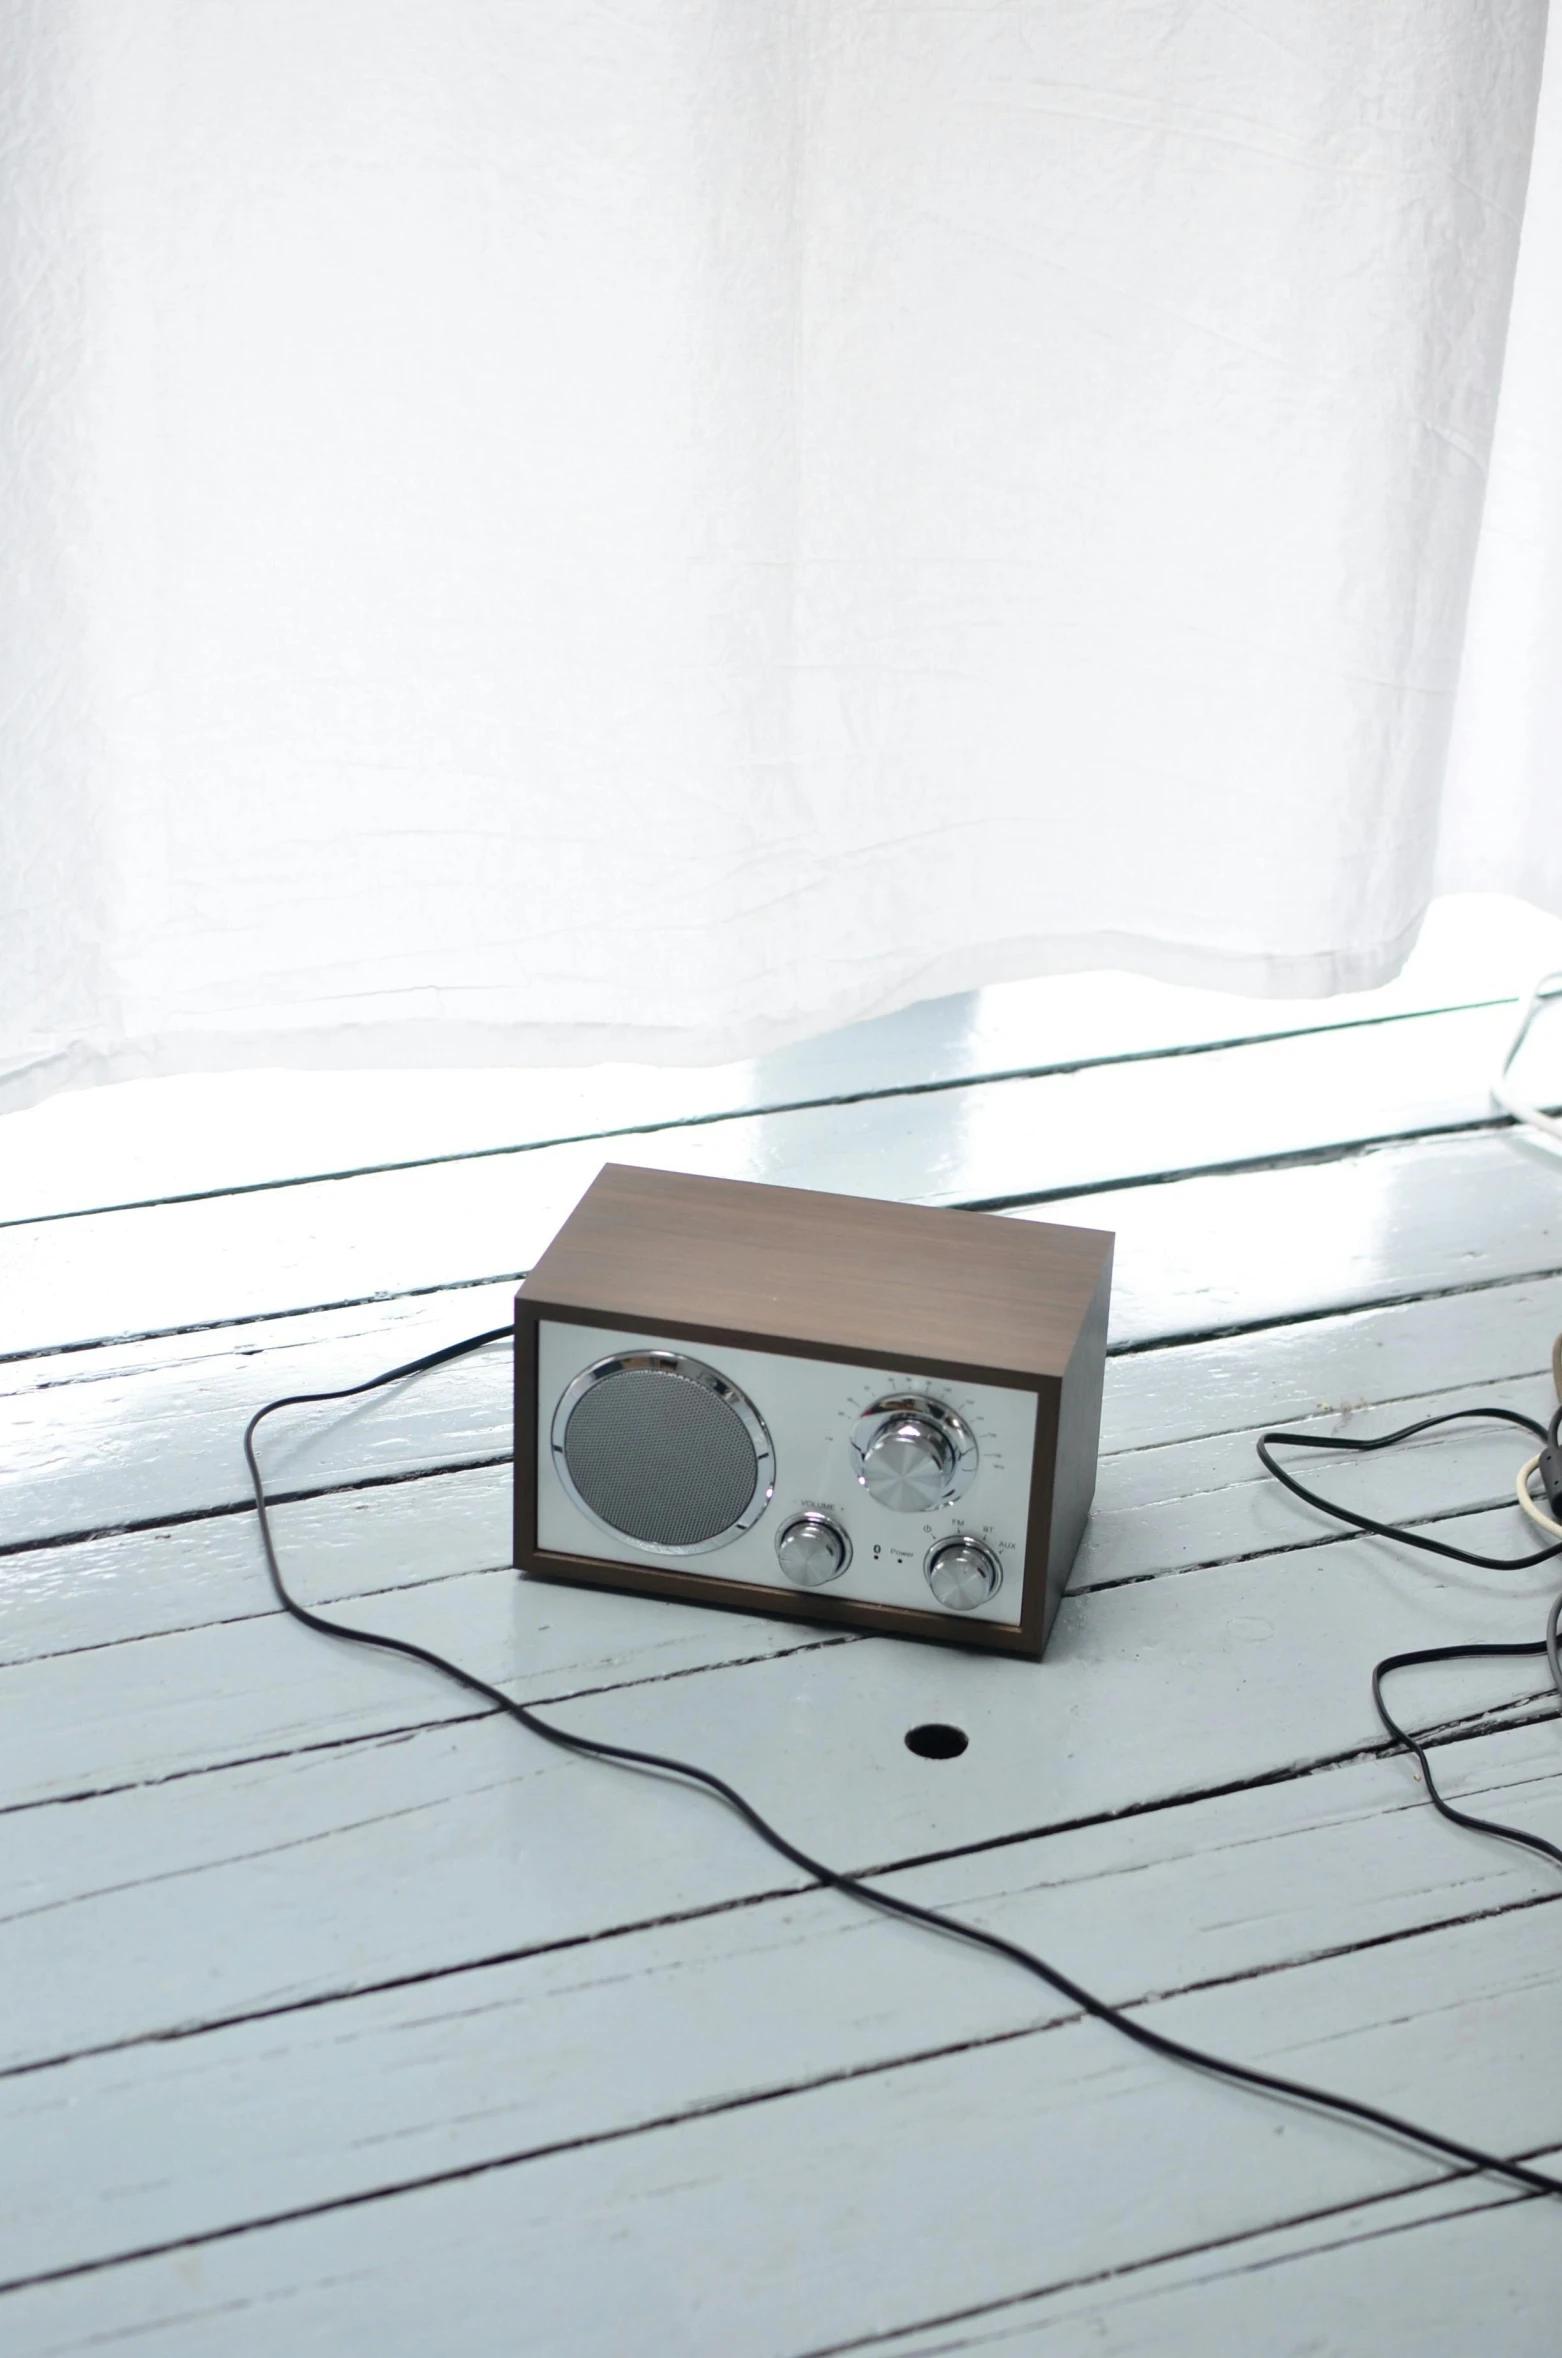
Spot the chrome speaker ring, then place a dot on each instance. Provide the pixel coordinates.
(716, 1388)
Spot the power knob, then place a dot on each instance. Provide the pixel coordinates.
(812, 1551)
(913, 1454)
(963, 1573)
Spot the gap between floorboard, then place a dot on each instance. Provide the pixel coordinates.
(996, 1078)
(806, 2085)
(1445, 1735)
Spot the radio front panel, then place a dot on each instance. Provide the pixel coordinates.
(870, 1485)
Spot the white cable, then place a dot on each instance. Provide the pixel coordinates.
(1548, 988)
(1528, 1504)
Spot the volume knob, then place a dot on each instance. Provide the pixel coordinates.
(963, 1573)
(913, 1454)
(812, 1551)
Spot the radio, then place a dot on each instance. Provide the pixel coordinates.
(871, 1414)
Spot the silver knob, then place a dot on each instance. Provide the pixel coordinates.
(908, 1465)
(913, 1453)
(812, 1550)
(963, 1573)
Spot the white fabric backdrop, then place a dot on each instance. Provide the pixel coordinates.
(1502, 807)
(534, 531)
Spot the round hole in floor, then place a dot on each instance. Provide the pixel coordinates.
(935, 1741)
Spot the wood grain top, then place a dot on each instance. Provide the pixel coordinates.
(891, 1282)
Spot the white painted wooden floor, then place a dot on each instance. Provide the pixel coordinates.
(340, 2017)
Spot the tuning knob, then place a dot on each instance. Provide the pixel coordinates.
(812, 1551)
(963, 1573)
(913, 1454)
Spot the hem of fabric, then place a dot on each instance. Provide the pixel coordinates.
(455, 1042)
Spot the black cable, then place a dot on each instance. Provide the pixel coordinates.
(1458, 1817)
(1472, 2157)
(1548, 1469)
(1344, 1514)
(1420, 1656)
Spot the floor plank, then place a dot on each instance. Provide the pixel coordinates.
(429, 1559)
(1151, 1693)
(176, 1266)
(1447, 2271)
(1332, 1361)
(611, 2025)
(1253, 1249)
(610, 2037)
(912, 2190)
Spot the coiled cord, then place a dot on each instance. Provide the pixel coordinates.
(1420, 1656)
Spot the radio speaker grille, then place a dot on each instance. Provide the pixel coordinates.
(660, 1457)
